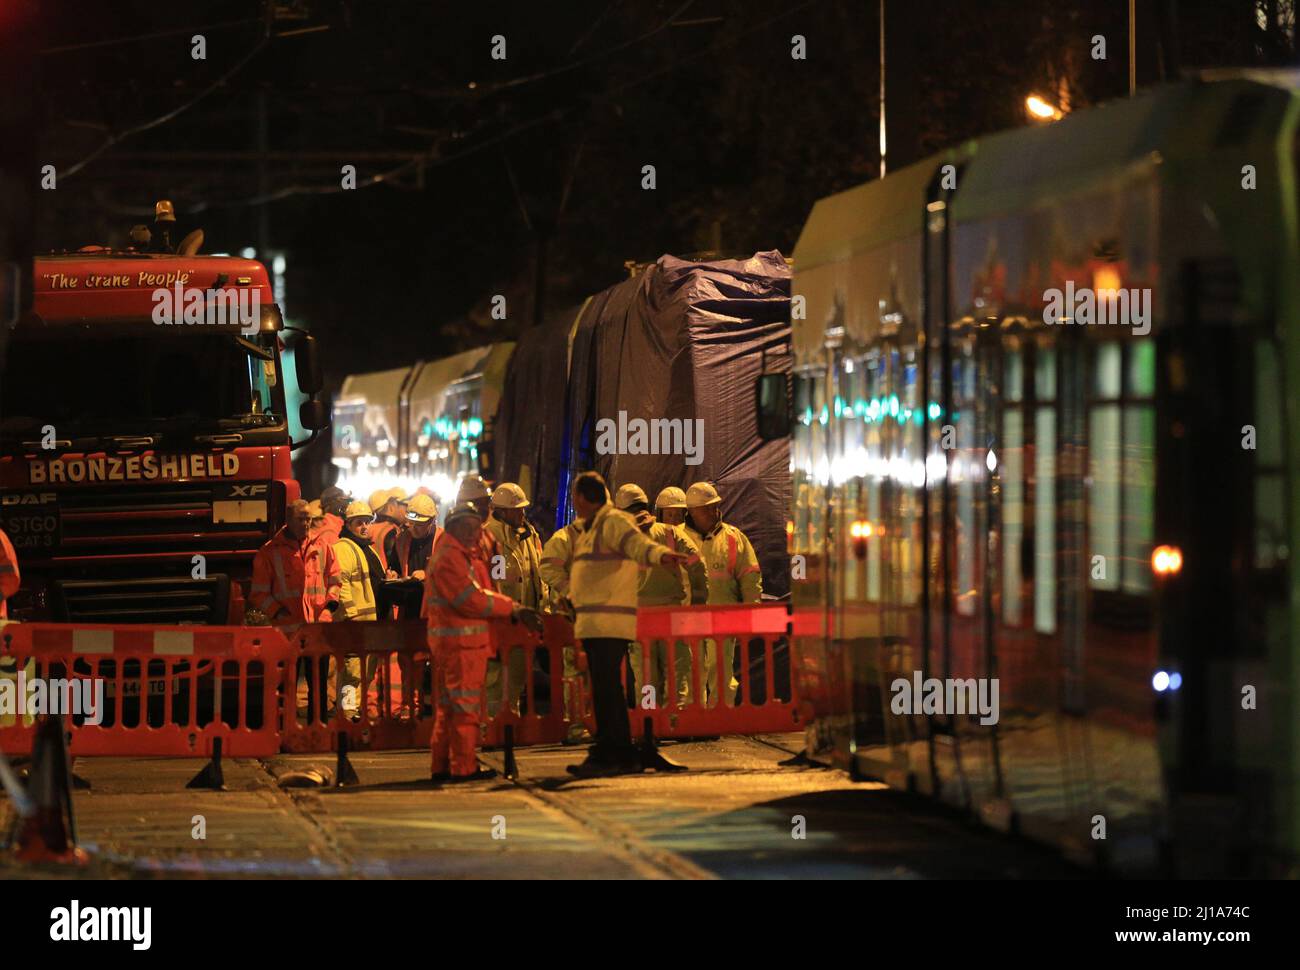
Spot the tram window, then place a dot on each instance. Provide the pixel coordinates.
(1045, 492)
(910, 453)
(967, 544)
(1142, 370)
(1106, 370)
(1104, 496)
(1013, 484)
(1139, 495)
(1013, 512)
(1121, 465)
(875, 452)
(1013, 377)
(1270, 510)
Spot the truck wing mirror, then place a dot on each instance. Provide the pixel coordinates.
(772, 405)
(306, 360)
(314, 416)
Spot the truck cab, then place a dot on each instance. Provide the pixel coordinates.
(144, 437)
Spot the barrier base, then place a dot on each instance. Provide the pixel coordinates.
(211, 775)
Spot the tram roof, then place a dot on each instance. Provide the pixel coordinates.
(1114, 143)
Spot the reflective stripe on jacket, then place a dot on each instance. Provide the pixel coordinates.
(292, 580)
(10, 578)
(459, 608)
(605, 575)
(734, 574)
(356, 589)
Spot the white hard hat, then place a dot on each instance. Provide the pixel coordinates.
(508, 495)
(462, 512)
(701, 494)
(671, 497)
(421, 508)
(358, 510)
(628, 495)
(471, 489)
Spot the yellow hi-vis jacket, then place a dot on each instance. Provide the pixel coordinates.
(734, 576)
(666, 586)
(605, 575)
(357, 594)
(523, 581)
(557, 560)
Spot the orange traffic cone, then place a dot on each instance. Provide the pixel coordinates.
(49, 833)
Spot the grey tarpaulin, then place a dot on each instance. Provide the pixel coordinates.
(680, 340)
(530, 426)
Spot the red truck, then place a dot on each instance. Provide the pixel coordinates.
(144, 438)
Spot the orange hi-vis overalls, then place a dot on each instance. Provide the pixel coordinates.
(380, 529)
(460, 611)
(293, 581)
(9, 576)
(331, 529)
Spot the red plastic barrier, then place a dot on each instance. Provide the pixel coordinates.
(394, 710)
(766, 698)
(165, 690)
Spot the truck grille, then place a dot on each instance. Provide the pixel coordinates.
(165, 601)
(162, 518)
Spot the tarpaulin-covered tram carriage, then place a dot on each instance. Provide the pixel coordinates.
(1075, 510)
(679, 340)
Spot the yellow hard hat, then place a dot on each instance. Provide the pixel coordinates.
(358, 510)
(471, 489)
(421, 509)
(508, 495)
(701, 494)
(628, 495)
(378, 499)
(314, 509)
(671, 497)
(399, 493)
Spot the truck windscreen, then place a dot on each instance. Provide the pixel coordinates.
(132, 384)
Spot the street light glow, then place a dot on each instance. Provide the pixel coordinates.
(1041, 109)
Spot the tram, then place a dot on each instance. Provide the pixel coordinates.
(1044, 436)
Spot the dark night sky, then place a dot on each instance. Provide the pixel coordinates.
(744, 137)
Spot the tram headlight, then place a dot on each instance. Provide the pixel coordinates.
(1166, 560)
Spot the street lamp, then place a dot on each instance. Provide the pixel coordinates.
(1041, 110)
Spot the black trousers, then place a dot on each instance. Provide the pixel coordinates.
(605, 659)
